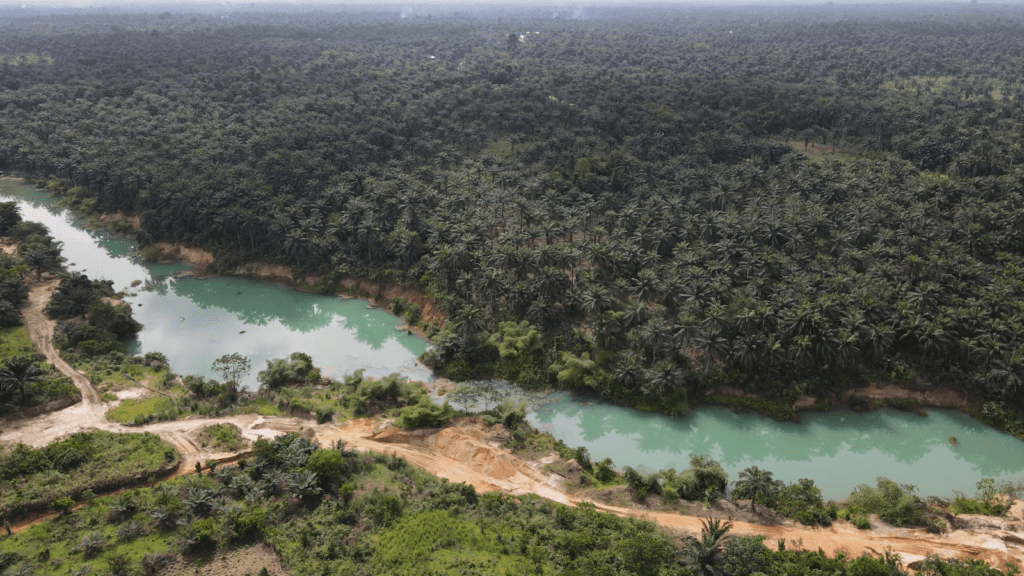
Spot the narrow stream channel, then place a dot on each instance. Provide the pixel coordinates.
(194, 321)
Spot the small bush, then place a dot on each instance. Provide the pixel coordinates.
(603, 471)
(860, 403)
(199, 535)
(92, 544)
(861, 522)
(62, 505)
(225, 437)
(324, 415)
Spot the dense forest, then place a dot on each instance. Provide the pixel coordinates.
(642, 203)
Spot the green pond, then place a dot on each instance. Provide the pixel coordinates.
(194, 321)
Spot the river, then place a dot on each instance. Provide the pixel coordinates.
(194, 321)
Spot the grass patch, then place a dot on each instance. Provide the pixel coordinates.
(138, 412)
(264, 407)
(223, 437)
(15, 341)
(118, 371)
(97, 461)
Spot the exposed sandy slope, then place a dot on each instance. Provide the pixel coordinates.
(465, 452)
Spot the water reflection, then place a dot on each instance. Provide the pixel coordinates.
(838, 449)
(194, 321)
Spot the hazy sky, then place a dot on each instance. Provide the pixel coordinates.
(185, 5)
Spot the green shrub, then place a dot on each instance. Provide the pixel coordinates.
(603, 470)
(199, 535)
(250, 524)
(802, 502)
(706, 480)
(324, 415)
(424, 414)
(329, 466)
(297, 369)
(62, 504)
(373, 396)
(859, 403)
(861, 522)
(669, 494)
(225, 437)
(893, 503)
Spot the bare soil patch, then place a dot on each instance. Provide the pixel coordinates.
(248, 561)
(943, 397)
(195, 256)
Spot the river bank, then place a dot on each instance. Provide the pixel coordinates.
(381, 295)
(264, 321)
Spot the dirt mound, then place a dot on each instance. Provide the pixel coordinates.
(195, 256)
(466, 444)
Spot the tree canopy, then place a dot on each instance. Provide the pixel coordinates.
(787, 200)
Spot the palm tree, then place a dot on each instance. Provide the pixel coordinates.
(18, 372)
(39, 258)
(468, 321)
(702, 554)
(9, 314)
(756, 484)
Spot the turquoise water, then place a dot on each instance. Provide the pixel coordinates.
(195, 321)
(838, 449)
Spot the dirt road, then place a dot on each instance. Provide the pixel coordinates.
(40, 329)
(468, 453)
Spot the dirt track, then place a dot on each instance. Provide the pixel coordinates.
(40, 329)
(463, 453)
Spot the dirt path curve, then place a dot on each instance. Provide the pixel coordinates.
(40, 329)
